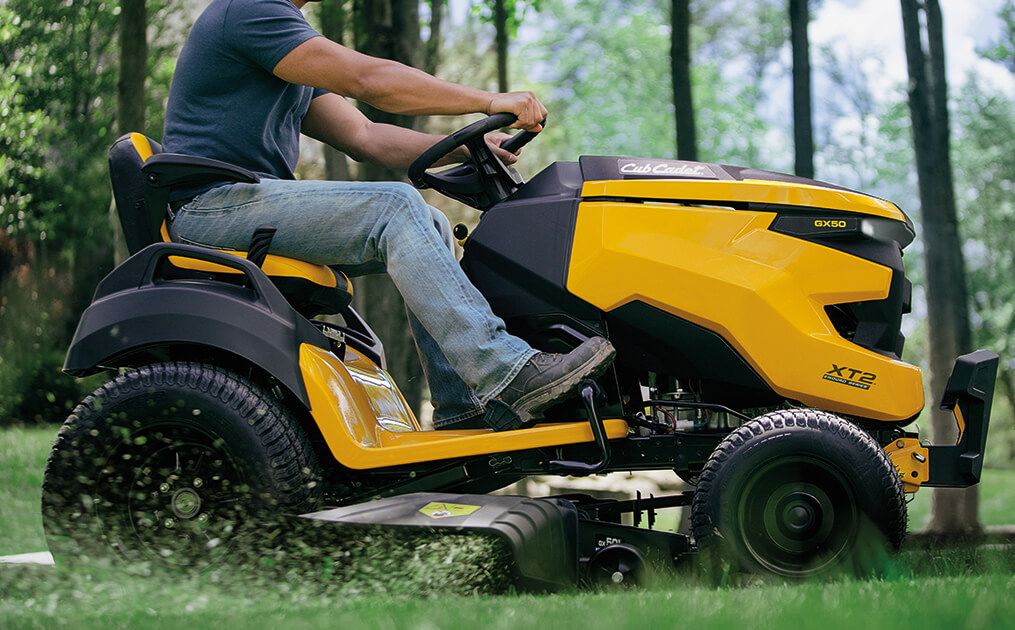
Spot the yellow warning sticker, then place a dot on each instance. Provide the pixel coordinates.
(444, 510)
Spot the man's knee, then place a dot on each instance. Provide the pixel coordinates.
(414, 203)
(407, 194)
(440, 221)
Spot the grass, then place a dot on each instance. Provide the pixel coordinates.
(34, 597)
(416, 585)
(23, 453)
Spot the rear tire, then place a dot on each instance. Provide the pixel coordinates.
(798, 494)
(173, 464)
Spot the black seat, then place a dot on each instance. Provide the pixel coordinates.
(143, 177)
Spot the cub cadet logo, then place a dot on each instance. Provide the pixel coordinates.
(851, 377)
(665, 168)
(824, 223)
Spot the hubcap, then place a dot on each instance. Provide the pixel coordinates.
(186, 503)
(185, 499)
(797, 516)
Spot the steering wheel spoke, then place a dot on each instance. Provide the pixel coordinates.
(483, 181)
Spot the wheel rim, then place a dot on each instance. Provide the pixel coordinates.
(798, 517)
(616, 566)
(178, 496)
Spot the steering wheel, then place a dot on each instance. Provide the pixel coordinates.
(483, 181)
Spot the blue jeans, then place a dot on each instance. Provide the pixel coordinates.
(370, 227)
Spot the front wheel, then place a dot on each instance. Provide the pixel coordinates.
(173, 464)
(799, 493)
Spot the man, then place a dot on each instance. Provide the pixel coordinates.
(251, 77)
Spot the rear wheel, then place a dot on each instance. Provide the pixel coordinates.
(174, 464)
(797, 494)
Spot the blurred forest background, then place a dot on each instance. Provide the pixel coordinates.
(726, 81)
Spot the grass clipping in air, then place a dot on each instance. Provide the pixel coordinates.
(372, 560)
(318, 557)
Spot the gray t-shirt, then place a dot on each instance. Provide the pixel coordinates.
(225, 103)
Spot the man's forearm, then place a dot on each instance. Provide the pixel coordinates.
(395, 87)
(400, 89)
(397, 147)
(387, 85)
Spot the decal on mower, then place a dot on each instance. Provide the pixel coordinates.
(665, 168)
(850, 376)
(444, 510)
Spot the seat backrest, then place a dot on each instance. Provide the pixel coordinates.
(139, 221)
(141, 205)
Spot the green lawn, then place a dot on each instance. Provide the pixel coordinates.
(971, 587)
(23, 453)
(33, 598)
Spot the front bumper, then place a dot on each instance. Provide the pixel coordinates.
(968, 395)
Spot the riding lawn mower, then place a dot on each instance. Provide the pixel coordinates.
(756, 319)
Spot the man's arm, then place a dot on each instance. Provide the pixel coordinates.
(335, 121)
(397, 88)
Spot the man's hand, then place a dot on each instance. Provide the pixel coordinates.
(498, 138)
(524, 105)
(493, 140)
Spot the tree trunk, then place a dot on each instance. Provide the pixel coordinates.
(953, 512)
(333, 20)
(130, 88)
(680, 69)
(803, 133)
(432, 51)
(500, 20)
(389, 29)
(1007, 383)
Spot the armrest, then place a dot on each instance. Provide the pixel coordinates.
(174, 169)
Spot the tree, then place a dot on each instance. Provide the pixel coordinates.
(432, 50)
(334, 17)
(133, 65)
(865, 139)
(803, 134)
(506, 16)
(953, 512)
(604, 63)
(985, 172)
(500, 21)
(53, 194)
(130, 89)
(62, 57)
(740, 43)
(1003, 51)
(680, 68)
(984, 180)
(59, 100)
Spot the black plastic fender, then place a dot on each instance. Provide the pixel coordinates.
(147, 302)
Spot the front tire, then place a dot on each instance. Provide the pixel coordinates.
(172, 464)
(797, 494)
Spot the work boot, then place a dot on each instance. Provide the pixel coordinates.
(548, 378)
